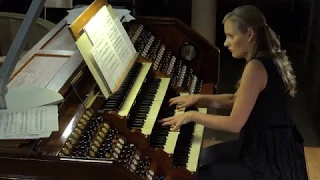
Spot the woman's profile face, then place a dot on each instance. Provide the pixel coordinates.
(236, 41)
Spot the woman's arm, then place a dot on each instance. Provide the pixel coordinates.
(254, 80)
(223, 101)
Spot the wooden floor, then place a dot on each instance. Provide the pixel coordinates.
(313, 162)
(312, 158)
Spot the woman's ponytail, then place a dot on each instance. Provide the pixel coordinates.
(282, 61)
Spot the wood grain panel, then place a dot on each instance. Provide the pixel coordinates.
(207, 62)
(77, 26)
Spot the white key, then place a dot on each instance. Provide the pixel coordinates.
(162, 90)
(172, 137)
(171, 142)
(196, 145)
(155, 107)
(135, 89)
(184, 94)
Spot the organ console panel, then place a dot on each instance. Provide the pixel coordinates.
(118, 137)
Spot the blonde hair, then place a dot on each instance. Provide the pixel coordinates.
(267, 41)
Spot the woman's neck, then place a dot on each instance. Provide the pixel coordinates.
(248, 56)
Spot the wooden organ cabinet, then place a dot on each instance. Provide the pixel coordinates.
(118, 137)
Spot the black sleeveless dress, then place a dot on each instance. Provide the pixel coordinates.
(270, 146)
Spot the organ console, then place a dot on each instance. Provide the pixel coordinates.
(118, 137)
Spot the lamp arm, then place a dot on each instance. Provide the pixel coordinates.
(17, 47)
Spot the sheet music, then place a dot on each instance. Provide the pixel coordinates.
(116, 37)
(110, 50)
(26, 136)
(118, 43)
(28, 122)
(101, 51)
(119, 14)
(105, 59)
(125, 36)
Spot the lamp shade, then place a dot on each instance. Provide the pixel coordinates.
(58, 3)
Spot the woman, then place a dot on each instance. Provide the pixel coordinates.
(270, 147)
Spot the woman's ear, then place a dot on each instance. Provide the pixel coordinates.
(251, 34)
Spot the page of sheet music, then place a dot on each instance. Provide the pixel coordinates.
(119, 15)
(101, 51)
(110, 49)
(104, 57)
(29, 121)
(125, 36)
(116, 37)
(26, 136)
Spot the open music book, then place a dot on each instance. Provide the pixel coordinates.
(107, 49)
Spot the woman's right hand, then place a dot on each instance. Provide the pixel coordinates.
(183, 101)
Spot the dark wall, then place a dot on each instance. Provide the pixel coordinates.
(281, 14)
(180, 9)
(279, 17)
(18, 6)
(312, 60)
(174, 8)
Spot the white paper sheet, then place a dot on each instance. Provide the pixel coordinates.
(28, 122)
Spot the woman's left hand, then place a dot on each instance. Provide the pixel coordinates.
(176, 121)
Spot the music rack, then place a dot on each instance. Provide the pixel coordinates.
(77, 30)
